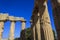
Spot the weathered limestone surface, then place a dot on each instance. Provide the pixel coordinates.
(3, 18)
(12, 30)
(12, 19)
(48, 32)
(23, 24)
(1, 29)
(34, 35)
(19, 18)
(33, 31)
(38, 28)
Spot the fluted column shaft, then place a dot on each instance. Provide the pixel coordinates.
(1, 29)
(38, 27)
(48, 32)
(45, 32)
(33, 30)
(34, 37)
(12, 30)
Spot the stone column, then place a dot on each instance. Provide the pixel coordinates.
(23, 36)
(33, 30)
(1, 29)
(48, 32)
(3, 18)
(12, 30)
(38, 29)
(23, 25)
(12, 27)
(34, 37)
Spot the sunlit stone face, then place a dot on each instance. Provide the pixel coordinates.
(58, 1)
(3, 16)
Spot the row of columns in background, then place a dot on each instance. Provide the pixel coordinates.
(4, 18)
(43, 22)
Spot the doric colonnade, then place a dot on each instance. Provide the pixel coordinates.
(12, 19)
(41, 20)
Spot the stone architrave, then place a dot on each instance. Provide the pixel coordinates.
(12, 27)
(48, 32)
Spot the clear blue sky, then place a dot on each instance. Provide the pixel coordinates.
(19, 8)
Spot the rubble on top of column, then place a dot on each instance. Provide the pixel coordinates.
(3, 16)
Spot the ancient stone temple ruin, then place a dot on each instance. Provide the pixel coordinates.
(40, 22)
(12, 19)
